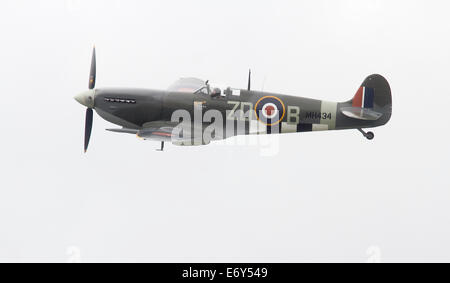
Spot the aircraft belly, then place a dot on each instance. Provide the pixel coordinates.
(288, 128)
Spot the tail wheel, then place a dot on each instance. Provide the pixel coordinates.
(370, 136)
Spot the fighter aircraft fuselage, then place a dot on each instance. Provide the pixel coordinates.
(132, 108)
(163, 115)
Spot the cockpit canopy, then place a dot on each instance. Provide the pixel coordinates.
(189, 85)
(198, 86)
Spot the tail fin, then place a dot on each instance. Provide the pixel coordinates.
(372, 101)
(374, 92)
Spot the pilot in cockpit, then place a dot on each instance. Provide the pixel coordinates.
(214, 92)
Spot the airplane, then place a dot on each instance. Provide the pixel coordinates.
(222, 113)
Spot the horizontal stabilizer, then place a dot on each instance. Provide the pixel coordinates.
(124, 131)
(361, 113)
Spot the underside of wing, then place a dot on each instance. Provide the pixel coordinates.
(178, 134)
(361, 113)
(158, 131)
(124, 131)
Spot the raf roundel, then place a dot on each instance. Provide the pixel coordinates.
(270, 110)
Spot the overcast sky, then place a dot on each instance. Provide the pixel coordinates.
(329, 196)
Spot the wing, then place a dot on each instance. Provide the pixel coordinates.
(158, 131)
(166, 131)
(124, 131)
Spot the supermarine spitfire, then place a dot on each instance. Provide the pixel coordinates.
(191, 112)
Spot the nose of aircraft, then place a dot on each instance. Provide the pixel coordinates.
(86, 98)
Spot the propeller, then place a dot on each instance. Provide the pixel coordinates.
(87, 99)
(88, 127)
(249, 80)
(93, 73)
(89, 112)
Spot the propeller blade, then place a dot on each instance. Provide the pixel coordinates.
(93, 73)
(88, 128)
(249, 80)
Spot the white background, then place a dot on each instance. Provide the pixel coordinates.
(331, 196)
